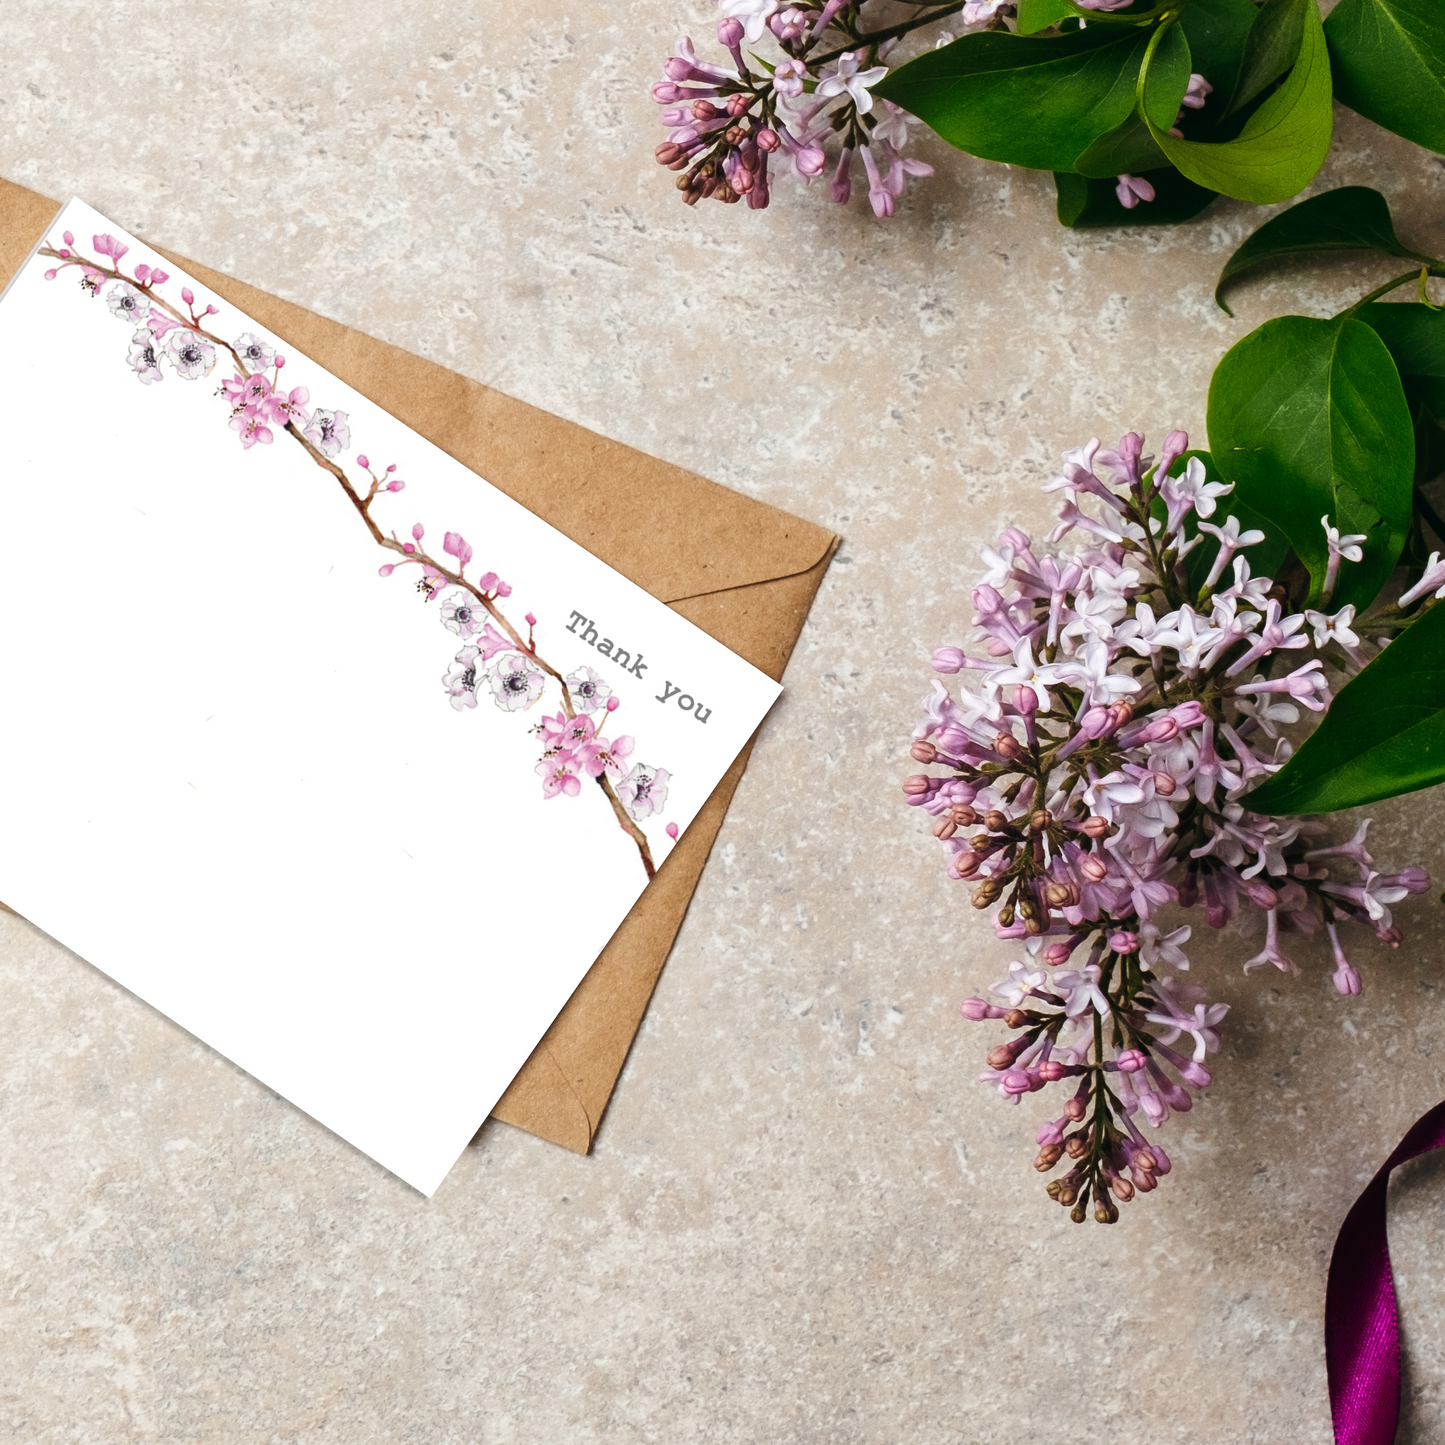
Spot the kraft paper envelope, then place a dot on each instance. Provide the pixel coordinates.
(742, 571)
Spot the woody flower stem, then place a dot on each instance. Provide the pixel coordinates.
(363, 509)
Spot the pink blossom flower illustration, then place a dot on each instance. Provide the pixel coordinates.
(254, 353)
(127, 303)
(643, 790)
(328, 431)
(588, 690)
(610, 758)
(516, 683)
(191, 354)
(251, 429)
(462, 680)
(559, 776)
(142, 358)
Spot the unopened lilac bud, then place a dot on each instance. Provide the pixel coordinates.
(917, 785)
(976, 1009)
(1049, 1155)
(1075, 1109)
(1346, 979)
(1123, 1189)
(1016, 1081)
(1391, 935)
(676, 68)
(738, 104)
(1051, 1071)
(1144, 1158)
(1123, 941)
(994, 821)
(1175, 445)
(1195, 1075)
(963, 815)
(1061, 895)
(923, 752)
(1188, 714)
(1026, 700)
(944, 827)
(1165, 784)
(1143, 1180)
(1094, 869)
(948, 659)
(1041, 820)
(966, 864)
(1001, 1056)
(987, 893)
(668, 152)
(730, 32)
(810, 160)
(1015, 1018)
(1096, 722)
(1007, 746)
(768, 140)
(1123, 715)
(1095, 827)
(1261, 893)
(1131, 1061)
(1056, 955)
(664, 93)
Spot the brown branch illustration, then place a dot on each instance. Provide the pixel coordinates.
(410, 552)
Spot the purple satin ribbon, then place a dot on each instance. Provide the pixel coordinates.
(1362, 1336)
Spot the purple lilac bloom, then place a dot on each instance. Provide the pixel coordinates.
(1092, 745)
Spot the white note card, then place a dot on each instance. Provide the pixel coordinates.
(314, 740)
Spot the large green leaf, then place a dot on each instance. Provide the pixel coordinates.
(1415, 335)
(1092, 204)
(1351, 218)
(1272, 47)
(1282, 144)
(1308, 418)
(1383, 735)
(1389, 62)
(1027, 100)
(1130, 147)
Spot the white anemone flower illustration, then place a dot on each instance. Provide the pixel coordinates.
(328, 431)
(127, 303)
(516, 682)
(588, 690)
(254, 353)
(462, 615)
(464, 678)
(143, 358)
(191, 355)
(643, 790)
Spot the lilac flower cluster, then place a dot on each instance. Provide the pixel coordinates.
(1094, 776)
(573, 747)
(730, 128)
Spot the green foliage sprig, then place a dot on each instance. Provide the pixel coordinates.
(1091, 93)
(1344, 418)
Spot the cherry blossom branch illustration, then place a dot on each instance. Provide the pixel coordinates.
(573, 746)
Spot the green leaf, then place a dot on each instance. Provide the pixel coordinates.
(1272, 47)
(1264, 557)
(1415, 335)
(1217, 31)
(1130, 147)
(1282, 144)
(1026, 100)
(1383, 735)
(1040, 14)
(1389, 61)
(1351, 218)
(1091, 204)
(1308, 418)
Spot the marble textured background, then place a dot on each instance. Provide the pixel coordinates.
(803, 1221)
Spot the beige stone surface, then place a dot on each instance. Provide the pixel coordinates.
(804, 1220)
